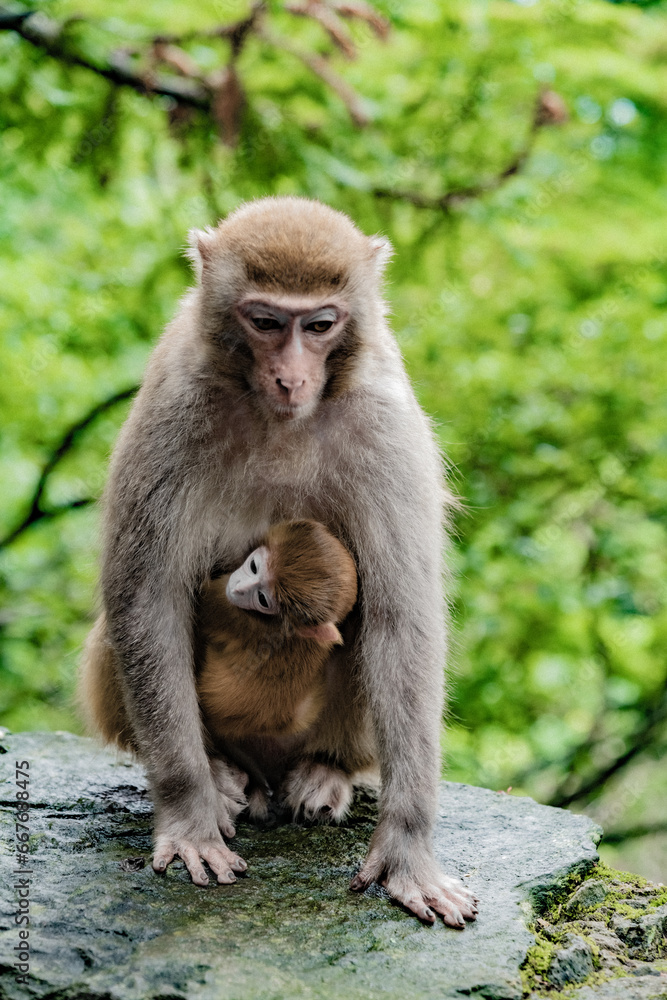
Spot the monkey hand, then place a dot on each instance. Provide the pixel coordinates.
(417, 882)
(211, 849)
(193, 833)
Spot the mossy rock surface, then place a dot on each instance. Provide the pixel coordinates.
(601, 939)
(291, 928)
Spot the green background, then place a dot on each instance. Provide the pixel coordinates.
(530, 309)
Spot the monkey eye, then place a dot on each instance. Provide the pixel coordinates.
(266, 323)
(253, 566)
(261, 597)
(319, 325)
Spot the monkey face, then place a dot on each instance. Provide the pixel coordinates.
(251, 586)
(289, 299)
(291, 339)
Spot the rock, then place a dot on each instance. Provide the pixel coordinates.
(592, 892)
(653, 987)
(104, 925)
(599, 933)
(571, 963)
(645, 935)
(607, 940)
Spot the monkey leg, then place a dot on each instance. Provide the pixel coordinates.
(320, 782)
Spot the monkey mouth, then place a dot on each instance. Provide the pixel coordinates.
(292, 411)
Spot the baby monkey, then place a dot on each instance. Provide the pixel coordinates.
(266, 631)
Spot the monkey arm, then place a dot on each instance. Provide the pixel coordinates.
(148, 585)
(401, 657)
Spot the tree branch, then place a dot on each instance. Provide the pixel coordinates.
(36, 512)
(458, 195)
(235, 33)
(186, 88)
(639, 741)
(49, 35)
(549, 109)
(320, 67)
(632, 832)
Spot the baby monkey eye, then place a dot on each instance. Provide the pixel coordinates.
(261, 597)
(253, 566)
(265, 323)
(320, 325)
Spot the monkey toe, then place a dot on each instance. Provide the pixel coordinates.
(421, 910)
(227, 811)
(446, 897)
(318, 792)
(258, 805)
(448, 910)
(230, 782)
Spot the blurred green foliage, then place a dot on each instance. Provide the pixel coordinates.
(532, 319)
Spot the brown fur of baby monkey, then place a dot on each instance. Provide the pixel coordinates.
(263, 675)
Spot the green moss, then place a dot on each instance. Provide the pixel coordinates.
(536, 965)
(622, 909)
(608, 874)
(549, 904)
(555, 923)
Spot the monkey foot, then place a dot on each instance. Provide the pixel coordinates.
(443, 895)
(216, 854)
(318, 792)
(425, 895)
(230, 782)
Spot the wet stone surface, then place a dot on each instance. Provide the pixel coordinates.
(104, 925)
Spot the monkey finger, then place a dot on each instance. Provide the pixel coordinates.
(234, 861)
(190, 856)
(462, 898)
(224, 863)
(222, 871)
(458, 893)
(163, 854)
(417, 906)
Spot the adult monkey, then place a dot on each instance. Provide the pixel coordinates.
(276, 393)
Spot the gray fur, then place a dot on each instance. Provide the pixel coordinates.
(199, 473)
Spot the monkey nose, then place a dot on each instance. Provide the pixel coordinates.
(290, 387)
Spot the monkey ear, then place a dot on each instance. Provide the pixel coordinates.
(200, 248)
(326, 632)
(382, 252)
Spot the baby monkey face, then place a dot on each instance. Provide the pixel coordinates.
(251, 586)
